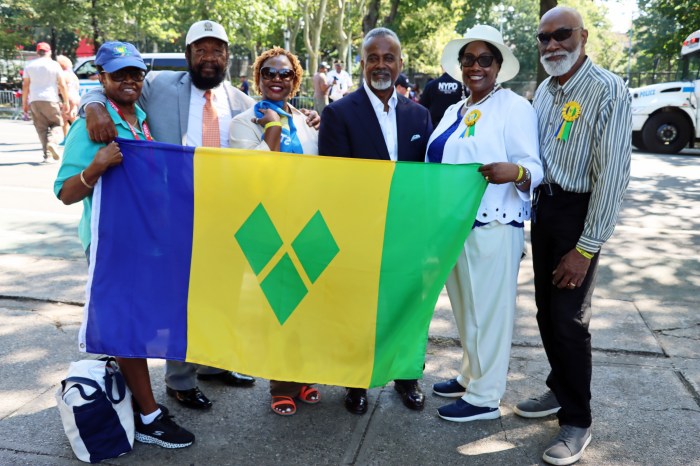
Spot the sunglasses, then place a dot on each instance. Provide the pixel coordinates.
(484, 61)
(559, 35)
(121, 75)
(285, 74)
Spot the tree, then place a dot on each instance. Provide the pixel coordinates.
(313, 23)
(545, 6)
(660, 30)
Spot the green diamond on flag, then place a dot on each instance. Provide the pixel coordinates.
(284, 289)
(258, 239)
(315, 247)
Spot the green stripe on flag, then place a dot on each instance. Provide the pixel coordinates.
(422, 241)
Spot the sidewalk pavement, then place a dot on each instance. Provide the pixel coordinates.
(645, 326)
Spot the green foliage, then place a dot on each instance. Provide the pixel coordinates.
(660, 29)
(606, 48)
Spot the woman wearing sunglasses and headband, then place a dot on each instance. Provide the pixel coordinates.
(121, 73)
(498, 129)
(275, 125)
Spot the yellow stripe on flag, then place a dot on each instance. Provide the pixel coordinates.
(225, 288)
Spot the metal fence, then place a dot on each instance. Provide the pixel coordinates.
(11, 104)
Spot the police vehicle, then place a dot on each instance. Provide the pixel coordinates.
(665, 117)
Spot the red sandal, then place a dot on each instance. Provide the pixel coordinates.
(309, 395)
(286, 403)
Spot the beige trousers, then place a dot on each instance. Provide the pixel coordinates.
(48, 122)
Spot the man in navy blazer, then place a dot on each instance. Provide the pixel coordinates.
(375, 122)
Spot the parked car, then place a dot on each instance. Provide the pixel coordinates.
(86, 70)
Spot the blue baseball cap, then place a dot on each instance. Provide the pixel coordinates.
(113, 56)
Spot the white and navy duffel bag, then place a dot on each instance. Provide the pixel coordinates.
(95, 407)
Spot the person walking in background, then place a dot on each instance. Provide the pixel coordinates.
(376, 122)
(121, 73)
(483, 284)
(585, 127)
(244, 84)
(275, 125)
(69, 113)
(340, 81)
(43, 87)
(439, 94)
(321, 86)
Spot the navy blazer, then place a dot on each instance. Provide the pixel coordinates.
(349, 128)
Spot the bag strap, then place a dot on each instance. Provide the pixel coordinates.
(114, 377)
(84, 381)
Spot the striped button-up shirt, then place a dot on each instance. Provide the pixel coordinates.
(596, 156)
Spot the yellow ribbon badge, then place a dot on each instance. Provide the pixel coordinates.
(470, 120)
(570, 112)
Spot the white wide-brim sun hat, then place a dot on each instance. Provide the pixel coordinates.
(480, 32)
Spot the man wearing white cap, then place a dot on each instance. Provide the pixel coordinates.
(43, 79)
(192, 108)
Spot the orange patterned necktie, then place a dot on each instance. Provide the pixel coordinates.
(210, 123)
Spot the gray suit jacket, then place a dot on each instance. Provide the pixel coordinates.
(166, 100)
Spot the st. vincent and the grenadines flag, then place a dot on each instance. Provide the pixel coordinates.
(288, 267)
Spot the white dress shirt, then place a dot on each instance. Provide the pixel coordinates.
(194, 122)
(387, 120)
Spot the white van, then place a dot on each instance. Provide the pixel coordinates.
(86, 70)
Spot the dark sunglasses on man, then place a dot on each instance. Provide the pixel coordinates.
(484, 61)
(285, 74)
(121, 75)
(559, 35)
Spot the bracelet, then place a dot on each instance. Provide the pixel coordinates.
(520, 173)
(584, 253)
(525, 179)
(85, 183)
(271, 124)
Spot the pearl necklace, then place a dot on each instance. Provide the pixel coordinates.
(493, 91)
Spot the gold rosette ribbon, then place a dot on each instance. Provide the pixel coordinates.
(570, 112)
(470, 120)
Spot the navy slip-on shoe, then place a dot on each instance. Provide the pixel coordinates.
(449, 389)
(461, 411)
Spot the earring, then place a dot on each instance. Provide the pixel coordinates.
(464, 94)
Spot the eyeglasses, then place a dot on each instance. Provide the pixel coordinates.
(484, 61)
(559, 35)
(121, 75)
(285, 74)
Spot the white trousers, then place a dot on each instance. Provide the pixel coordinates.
(482, 289)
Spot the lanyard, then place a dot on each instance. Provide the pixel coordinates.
(144, 126)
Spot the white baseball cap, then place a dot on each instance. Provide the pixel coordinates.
(205, 28)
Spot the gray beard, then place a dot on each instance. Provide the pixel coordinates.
(380, 85)
(562, 67)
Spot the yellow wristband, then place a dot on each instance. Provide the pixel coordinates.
(271, 124)
(584, 253)
(85, 183)
(520, 173)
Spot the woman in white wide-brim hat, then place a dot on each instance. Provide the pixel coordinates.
(497, 128)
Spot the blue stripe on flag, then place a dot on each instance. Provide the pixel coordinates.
(142, 266)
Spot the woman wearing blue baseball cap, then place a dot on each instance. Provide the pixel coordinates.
(121, 73)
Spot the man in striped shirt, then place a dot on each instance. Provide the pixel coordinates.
(585, 145)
